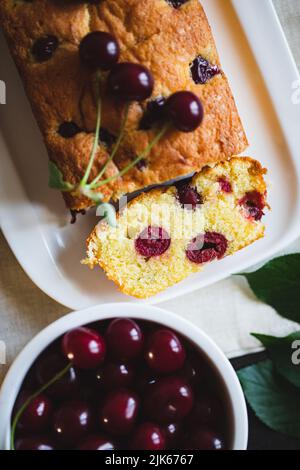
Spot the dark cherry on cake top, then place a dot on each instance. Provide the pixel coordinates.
(148, 389)
(202, 71)
(44, 48)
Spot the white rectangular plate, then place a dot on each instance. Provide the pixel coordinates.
(257, 60)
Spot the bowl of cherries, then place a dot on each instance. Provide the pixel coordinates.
(122, 377)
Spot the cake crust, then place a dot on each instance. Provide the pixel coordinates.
(150, 32)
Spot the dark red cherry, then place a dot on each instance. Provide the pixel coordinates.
(114, 375)
(72, 422)
(207, 247)
(130, 82)
(68, 129)
(254, 204)
(154, 113)
(84, 347)
(208, 410)
(148, 436)
(176, 3)
(169, 400)
(106, 137)
(225, 185)
(50, 365)
(202, 71)
(153, 241)
(37, 414)
(99, 50)
(44, 48)
(204, 439)
(185, 111)
(195, 370)
(164, 352)
(118, 412)
(124, 339)
(35, 443)
(97, 442)
(172, 433)
(188, 196)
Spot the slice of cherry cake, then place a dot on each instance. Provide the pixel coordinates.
(166, 234)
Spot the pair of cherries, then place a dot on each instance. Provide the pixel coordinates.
(133, 82)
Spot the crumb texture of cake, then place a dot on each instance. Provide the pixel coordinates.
(172, 38)
(167, 234)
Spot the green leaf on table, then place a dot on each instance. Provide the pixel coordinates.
(274, 400)
(277, 283)
(285, 354)
(56, 180)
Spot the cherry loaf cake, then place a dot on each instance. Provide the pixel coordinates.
(166, 234)
(172, 38)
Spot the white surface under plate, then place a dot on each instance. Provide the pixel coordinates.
(256, 58)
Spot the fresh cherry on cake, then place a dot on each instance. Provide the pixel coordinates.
(35, 443)
(207, 247)
(164, 352)
(124, 339)
(130, 82)
(185, 111)
(154, 113)
(153, 241)
(148, 436)
(99, 50)
(169, 400)
(72, 422)
(97, 442)
(84, 347)
(37, 415)
(118, 412)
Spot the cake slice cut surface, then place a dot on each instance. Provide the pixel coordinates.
(167, 234)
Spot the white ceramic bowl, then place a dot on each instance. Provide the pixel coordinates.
(22, 363)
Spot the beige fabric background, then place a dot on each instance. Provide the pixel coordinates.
(24, 309)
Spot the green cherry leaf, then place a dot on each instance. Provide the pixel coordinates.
(56, 180)
(277, 284)
(108, 213)
(285, 354)
(274, 400)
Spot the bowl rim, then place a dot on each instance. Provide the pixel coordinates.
(16, 373)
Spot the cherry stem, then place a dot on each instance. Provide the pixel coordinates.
(116, 147)
(19, 413)
(137, 159)
(97, 132)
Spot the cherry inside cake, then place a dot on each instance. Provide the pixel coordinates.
(122, 384)
(167, 234)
